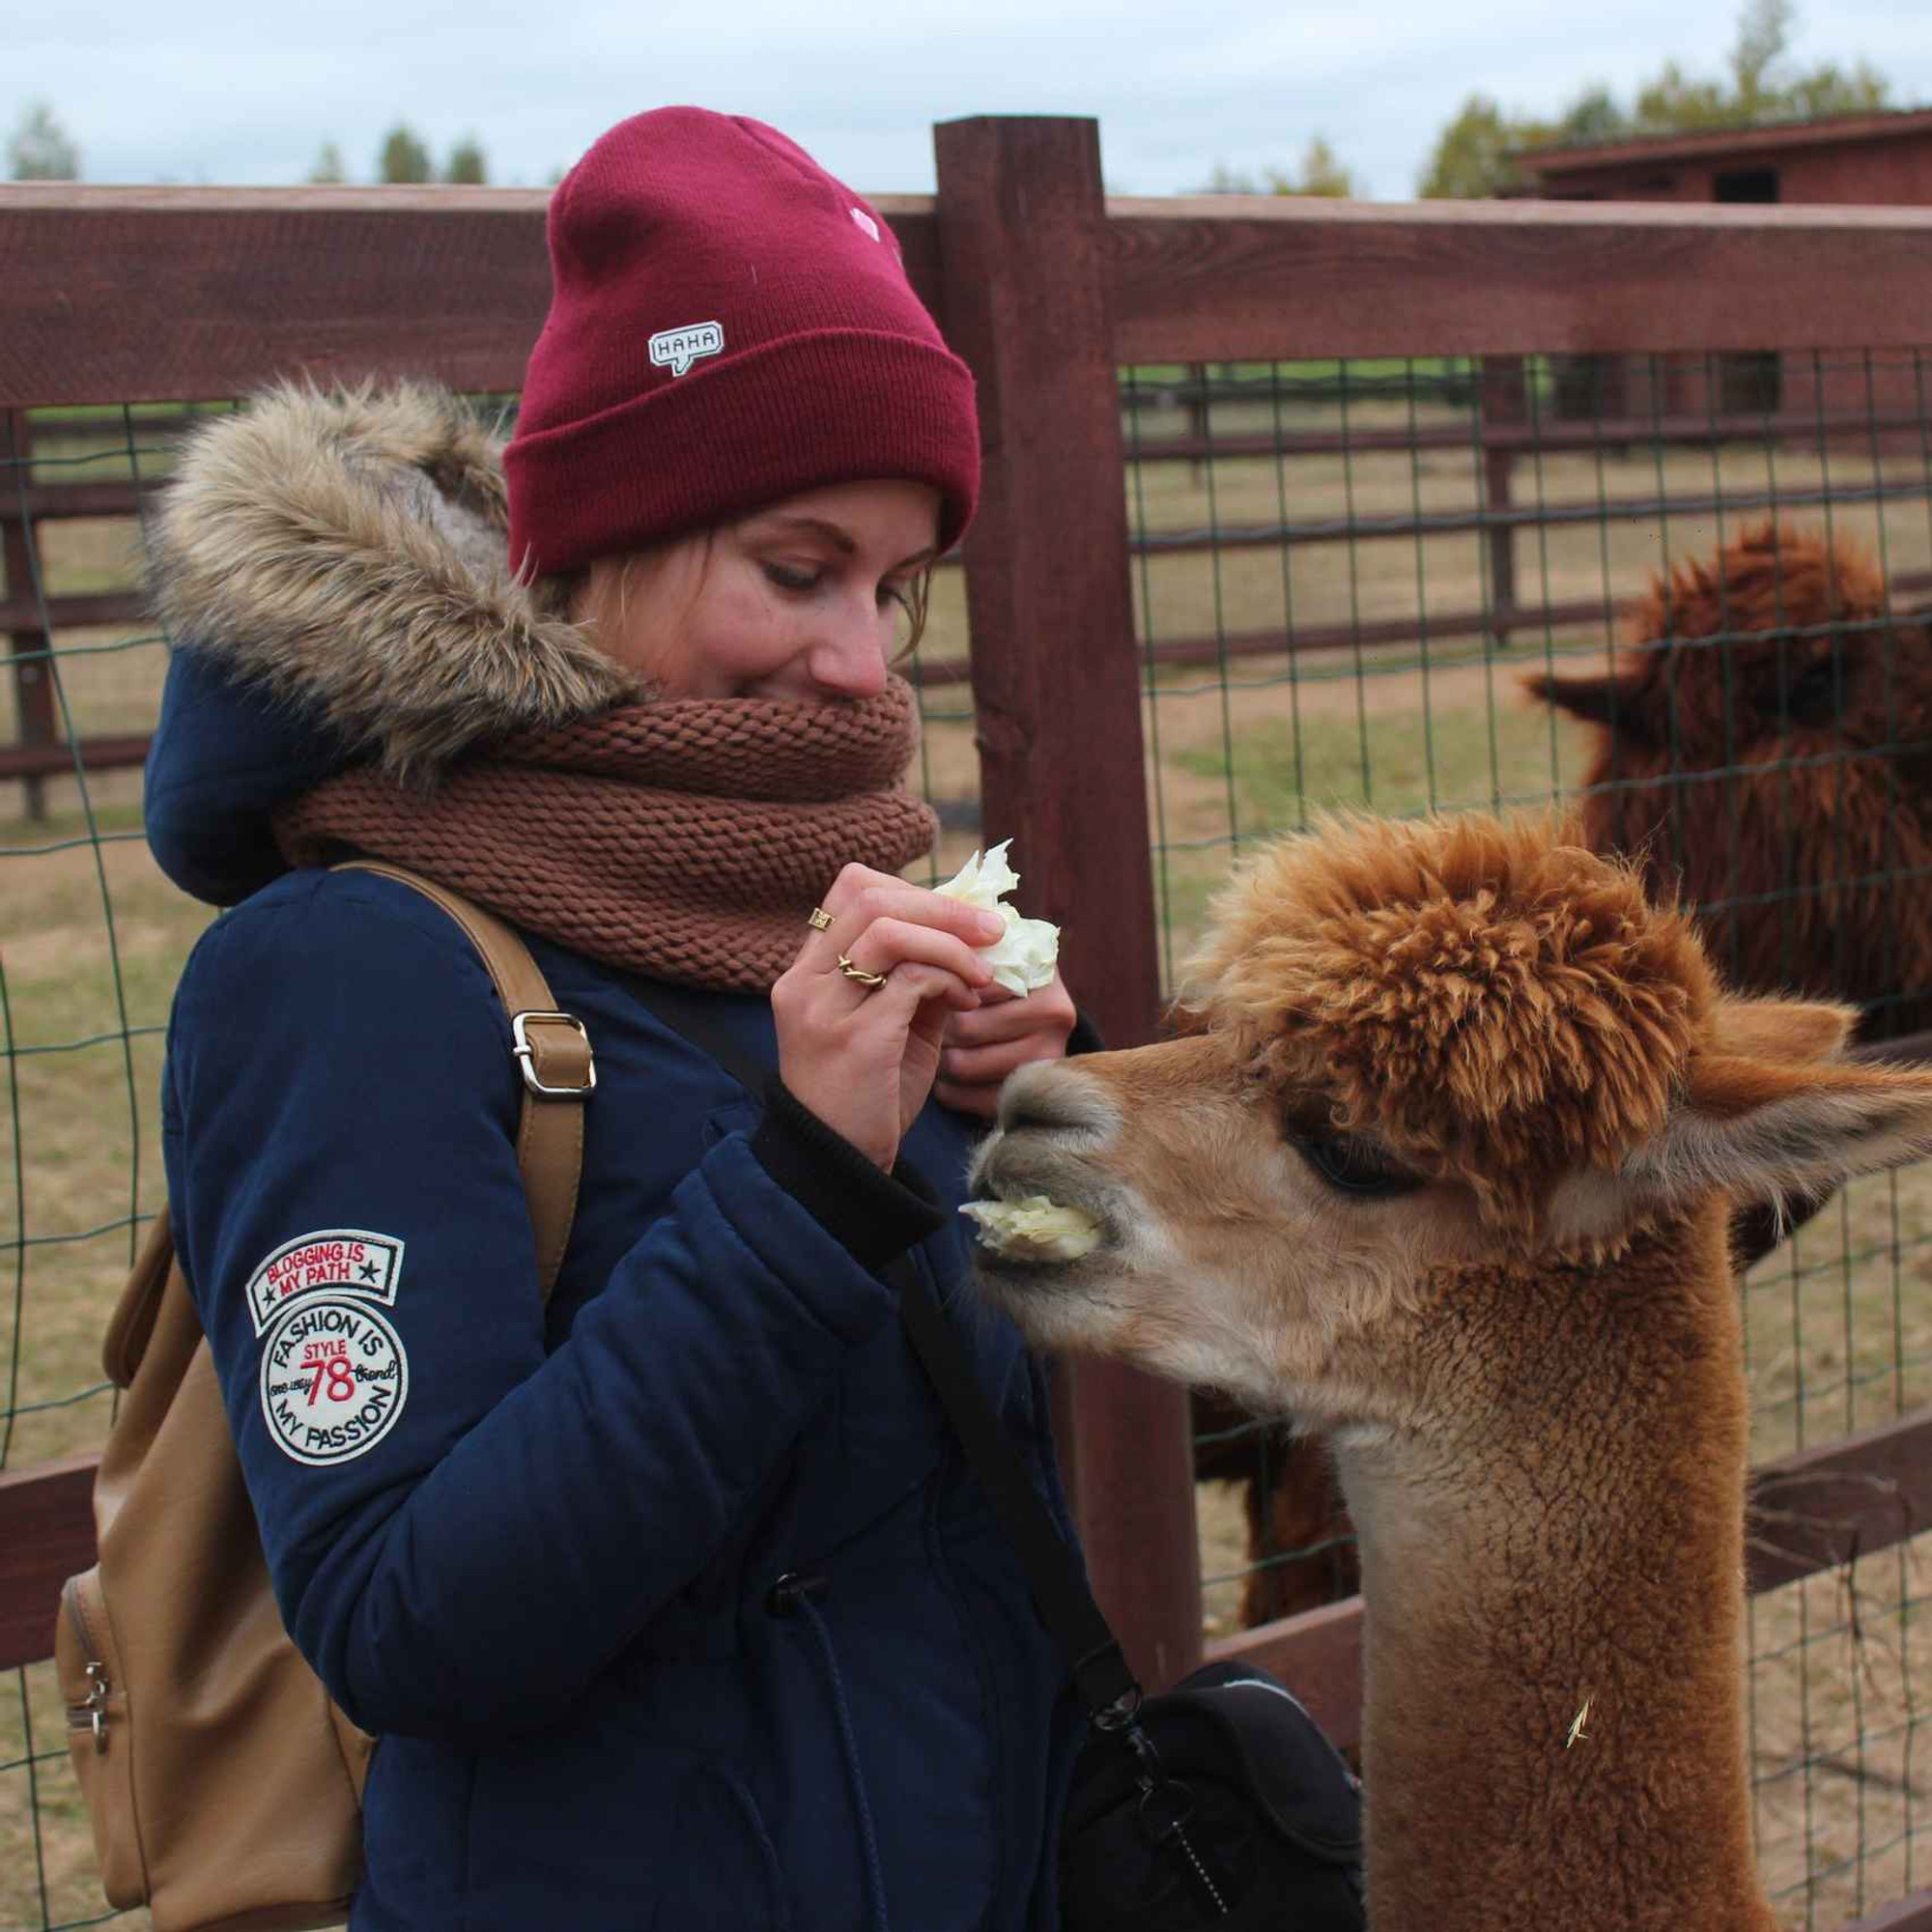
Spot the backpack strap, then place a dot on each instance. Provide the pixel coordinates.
(552, 1049)
(555, 1053)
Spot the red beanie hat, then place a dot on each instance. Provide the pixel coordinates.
(727, 326)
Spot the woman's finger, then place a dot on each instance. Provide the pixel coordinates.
(888, 944)
(989, 1066)
(861, 898)
(981, 1102)
(908, 988)
(1004, 1017)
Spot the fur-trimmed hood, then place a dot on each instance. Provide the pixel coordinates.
(331, 568)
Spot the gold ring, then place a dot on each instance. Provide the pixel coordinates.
(818, 919)
(858, 975)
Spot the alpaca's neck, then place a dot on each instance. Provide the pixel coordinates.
(1546, 1562)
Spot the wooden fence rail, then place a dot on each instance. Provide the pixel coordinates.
(1811, 1512)
(31, 620)
(158, 295)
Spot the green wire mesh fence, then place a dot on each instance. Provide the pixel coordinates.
(1349, 576)
(1344, 574)
(93, 938)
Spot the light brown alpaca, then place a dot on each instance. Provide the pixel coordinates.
(1446, 1177)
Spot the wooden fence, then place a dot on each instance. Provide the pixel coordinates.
(170, 296)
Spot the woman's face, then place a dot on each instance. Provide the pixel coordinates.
(804, 599)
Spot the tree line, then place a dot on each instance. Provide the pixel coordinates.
(41, 150)
(1477, 154)
(405, 158)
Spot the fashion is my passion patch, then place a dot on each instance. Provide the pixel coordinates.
(334, 1372)
(334, 1378)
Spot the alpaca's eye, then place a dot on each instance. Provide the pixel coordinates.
(1811, 698)
(1353, 1166)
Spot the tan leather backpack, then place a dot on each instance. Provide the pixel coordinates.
(224, 1786)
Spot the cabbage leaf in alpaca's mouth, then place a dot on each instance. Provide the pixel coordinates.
(1033, 1229)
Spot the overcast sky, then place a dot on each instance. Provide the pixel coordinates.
(219, 90)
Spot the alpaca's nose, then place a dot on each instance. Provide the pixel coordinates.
(1049, 1095)
(1022, 1101)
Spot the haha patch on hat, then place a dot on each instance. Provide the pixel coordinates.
(677, 349)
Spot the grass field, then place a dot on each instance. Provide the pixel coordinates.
(1839, 1320)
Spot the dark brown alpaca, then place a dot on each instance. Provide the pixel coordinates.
(1764, 743)
(1780, 779)
(1291, 1504)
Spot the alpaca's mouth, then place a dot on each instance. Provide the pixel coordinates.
(1032, 1204)
(1031, 1230)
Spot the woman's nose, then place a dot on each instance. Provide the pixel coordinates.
(848, 658)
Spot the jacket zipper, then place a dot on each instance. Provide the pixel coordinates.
(91, 1715)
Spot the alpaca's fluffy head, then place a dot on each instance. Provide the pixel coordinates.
(1488, 1000)
(1764, 741)
(1441, 1072)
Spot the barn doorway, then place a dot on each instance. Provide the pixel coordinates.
(1750, 382)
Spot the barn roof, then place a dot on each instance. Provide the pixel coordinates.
(1896, 125)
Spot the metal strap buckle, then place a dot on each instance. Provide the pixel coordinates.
(520, 1026)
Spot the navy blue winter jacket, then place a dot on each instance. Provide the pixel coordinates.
(542, 1552)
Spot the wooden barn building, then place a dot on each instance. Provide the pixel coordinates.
(1869, 160)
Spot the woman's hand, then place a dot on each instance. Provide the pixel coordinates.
(983, 1046)
(863, 1057)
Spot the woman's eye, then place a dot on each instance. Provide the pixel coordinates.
(1353, 1166)
(787, 577)
(894, 594)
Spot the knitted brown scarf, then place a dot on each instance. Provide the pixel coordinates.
(686, 838)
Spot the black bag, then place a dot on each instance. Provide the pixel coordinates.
(1222, 1805)
(1217, 1804)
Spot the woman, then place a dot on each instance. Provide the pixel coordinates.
(672, 1602)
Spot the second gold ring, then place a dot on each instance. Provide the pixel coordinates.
(859, 975)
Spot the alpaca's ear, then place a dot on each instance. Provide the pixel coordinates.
(1759, 1129)
(1784, 1031)
(1610, 700)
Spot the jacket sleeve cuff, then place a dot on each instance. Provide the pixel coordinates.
(1086, 1036)
(874, 1215)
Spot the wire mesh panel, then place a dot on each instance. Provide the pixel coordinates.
(93, 939)
(1345, 576)
(1679, 594)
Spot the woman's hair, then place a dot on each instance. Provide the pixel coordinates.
(918, 602)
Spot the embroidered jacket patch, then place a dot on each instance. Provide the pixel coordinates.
(334, 1378)
(349, 1259)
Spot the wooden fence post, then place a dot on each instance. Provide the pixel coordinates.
(33, 670)
(1056, 685)
(1199, 425)
(1504, 403)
